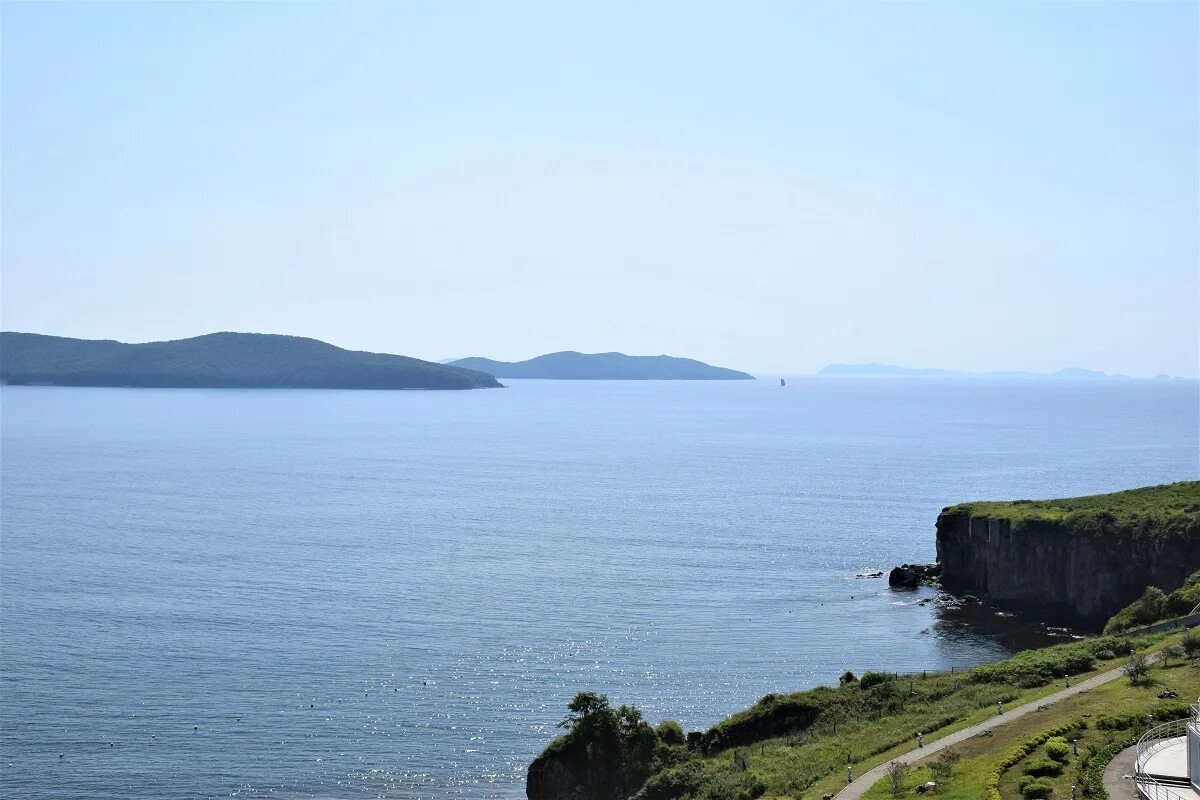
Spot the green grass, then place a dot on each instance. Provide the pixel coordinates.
(1169, 510)
(866, 727)
(982, 755)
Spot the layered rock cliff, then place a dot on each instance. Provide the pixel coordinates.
(1076, 561)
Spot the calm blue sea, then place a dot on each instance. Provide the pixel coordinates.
(339, 594)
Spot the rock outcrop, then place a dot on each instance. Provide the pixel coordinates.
(1062, 570)
(910, 576)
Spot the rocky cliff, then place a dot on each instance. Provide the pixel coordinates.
(1075, 561)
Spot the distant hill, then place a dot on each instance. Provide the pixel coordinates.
(570, 365)
(220, 360)
(877, 369)
(890, 370)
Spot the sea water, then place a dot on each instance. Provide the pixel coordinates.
(340, 594)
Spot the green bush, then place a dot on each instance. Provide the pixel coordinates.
(744, 786)
(679, 781)
(1058, 749)
(670, 732)
(1119, 722)
(1032, 668)
(1154, 606)
(1036, 789)
(1018, 752)
(1190, 644)
(870, 679)
(1043, 767)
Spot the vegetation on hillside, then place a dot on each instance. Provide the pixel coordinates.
(220, 360)
(1044, 754)
(610, 750)
(1157, 606)
(785, 745)
(1161, 512)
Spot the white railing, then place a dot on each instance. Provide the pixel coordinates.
(1155, 739)
(1154, 790)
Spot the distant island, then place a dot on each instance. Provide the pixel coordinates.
(220, 361)
(570, 365)
(889, 370)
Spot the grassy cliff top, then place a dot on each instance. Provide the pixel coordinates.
(1172, 502)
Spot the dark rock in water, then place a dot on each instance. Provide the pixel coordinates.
(910, 576)
(868, 575)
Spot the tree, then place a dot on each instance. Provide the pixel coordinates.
(1190, 643)
(943, 766)
(897, 774)
(1136, 667)
(1170, 652)
(586, 709)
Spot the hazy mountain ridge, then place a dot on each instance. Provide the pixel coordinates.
(220, 360)
(572, 365)
(892, 370)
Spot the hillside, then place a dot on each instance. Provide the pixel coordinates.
(570, 365)
(800, 745)
(1073, 561)
(220, 360)
(890, 370)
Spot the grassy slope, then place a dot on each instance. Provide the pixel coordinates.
(869, 727)
(1168, 503)
(982, 755)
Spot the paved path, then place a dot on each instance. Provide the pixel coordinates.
(1116, 781)
(868, 779)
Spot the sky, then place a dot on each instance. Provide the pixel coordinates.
(766, 186)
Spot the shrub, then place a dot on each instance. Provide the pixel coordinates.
(1038, 667)
(847, 677)
(943, 766)
(1190, 644)
(743, 786)
(1146, 610)
(870, 679)
(679, 781)
(1137, 668)
(670, 732)
(1036, 789)
(1058, 749)
(897, 776)
(1018, 752)
(1043, 767)
(1119, 722)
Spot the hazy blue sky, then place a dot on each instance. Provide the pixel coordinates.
(767, 186)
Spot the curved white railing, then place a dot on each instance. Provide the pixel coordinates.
(1154, 790)
(1155, 739)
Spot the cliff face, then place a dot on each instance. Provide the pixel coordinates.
(1053, 571)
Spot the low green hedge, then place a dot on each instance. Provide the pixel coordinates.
(1020, 751)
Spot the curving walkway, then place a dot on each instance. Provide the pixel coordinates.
(868, 779)
(1116, 775)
